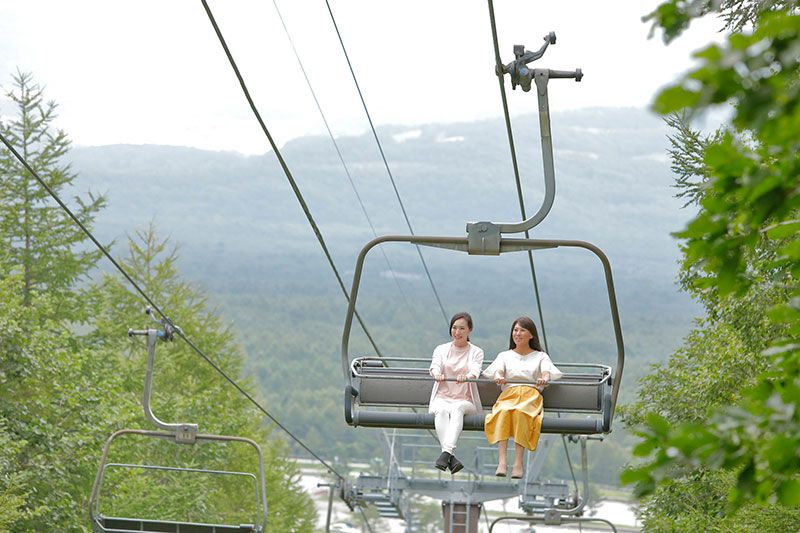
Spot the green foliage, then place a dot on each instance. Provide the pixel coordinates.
(675, 16)
(37, 236)
(710, 370)
(70, 376)
(202, 395)
(742, 257)
(686, 152)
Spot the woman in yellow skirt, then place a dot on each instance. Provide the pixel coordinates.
(518, 411)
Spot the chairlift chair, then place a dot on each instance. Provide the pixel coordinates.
(589, 389)
(180, 434)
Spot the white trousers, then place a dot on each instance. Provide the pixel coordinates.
(449, 420)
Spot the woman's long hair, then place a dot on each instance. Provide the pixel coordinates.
(527, 323)
(466, 316)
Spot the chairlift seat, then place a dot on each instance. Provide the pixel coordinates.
(110, 524)
(377, 385)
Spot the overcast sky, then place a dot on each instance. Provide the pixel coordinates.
(152, 71)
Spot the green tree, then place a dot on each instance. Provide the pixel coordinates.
(52, 406)
(37, 236)
(188, 389)
(64, 392)
(742, 259)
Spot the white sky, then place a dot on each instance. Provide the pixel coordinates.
(152, 71)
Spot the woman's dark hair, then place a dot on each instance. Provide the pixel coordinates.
(466, 316)
(527, 323)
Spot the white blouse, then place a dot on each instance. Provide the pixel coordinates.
(515, 367)
(475, 358)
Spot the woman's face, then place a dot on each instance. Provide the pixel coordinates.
(521, 336)
(460, 332)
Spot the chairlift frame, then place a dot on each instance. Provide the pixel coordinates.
(357, 383)
(180, 433)
(486, 238)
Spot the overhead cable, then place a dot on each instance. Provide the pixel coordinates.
(286, 170)
(155, 306)
(339, 153)
(385, 163)
(501, 79)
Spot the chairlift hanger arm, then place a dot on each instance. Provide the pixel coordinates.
(184, 432)
(521, 75)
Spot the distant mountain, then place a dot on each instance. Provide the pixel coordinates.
(613, 185)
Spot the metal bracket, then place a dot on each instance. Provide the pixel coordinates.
(186, 433)
(552, 518)
(483, 238)
(520, 74)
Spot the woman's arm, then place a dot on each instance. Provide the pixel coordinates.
(435, 369)
(544, 379)
(547, 367)
(475, 363)
(497, 370)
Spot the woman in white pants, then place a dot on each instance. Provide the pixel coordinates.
(451, 400)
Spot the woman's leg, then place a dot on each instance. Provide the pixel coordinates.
(519, 455)
(454, 427)
(502, 452)
(442, 422)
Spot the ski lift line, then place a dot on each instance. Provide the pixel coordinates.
(155, 307)
(286, 171)
(512, 148)
(339, 152)
(385, 163)
(258, 406)
(80, 224)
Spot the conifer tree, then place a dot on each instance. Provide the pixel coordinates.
(38, 238)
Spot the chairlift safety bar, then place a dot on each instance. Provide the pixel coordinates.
(604, 376)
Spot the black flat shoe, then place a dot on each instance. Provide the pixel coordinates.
(455, 465)
(443, 461)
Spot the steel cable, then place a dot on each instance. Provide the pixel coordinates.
(501, 79)
(385, 163)
(155, 306)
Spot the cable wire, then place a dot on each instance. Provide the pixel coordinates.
(341, 158)
(366, 520)
(155, 306)
(385, 163)
(569, 461)
(286, 170)
(501, 79)
(339, 153)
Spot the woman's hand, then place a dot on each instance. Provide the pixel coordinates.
(461, 378)
(438, 377)
(500, 379)
(544, 380)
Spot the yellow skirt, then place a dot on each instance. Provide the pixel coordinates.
(517, 413)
